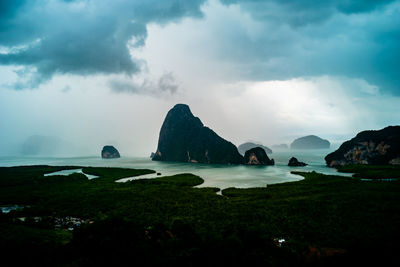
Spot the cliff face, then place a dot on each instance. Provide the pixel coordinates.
(109, 152)
(184, 138)
(310, 142)
(368, 147)
(248, 145)
(257, 156)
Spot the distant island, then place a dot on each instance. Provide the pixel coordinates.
(109, 152)
(310, 142)
(369, 147)
(249, 145)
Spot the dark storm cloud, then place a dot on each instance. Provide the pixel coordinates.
(359, 39)
(79, 37)
(311, 8)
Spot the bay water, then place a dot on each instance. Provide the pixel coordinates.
(214, 175)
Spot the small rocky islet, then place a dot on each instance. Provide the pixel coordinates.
(294, 162)
(109, 152)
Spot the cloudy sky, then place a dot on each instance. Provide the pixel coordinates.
(106, 72)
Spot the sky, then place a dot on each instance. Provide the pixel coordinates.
(93, 73)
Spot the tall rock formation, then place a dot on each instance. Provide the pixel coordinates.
(257, 156)
(184, 138)
(310, 142)
(368, 147)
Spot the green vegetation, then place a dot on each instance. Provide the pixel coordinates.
(319, 220)
(372, 171)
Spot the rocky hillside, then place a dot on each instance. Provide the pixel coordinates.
(368, 147)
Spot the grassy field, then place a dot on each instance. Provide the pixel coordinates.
(321, 220)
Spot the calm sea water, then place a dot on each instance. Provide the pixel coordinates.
(215, 175)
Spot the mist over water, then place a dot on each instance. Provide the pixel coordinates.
(214, 175)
